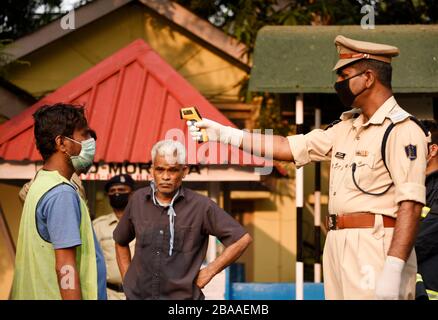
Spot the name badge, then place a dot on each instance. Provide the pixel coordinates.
(340, 155)
(362, 153)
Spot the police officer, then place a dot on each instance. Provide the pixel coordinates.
(119, 189)
(376, 193)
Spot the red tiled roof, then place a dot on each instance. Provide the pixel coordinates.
(132, 99)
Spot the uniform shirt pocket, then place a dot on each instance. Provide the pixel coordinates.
(108, 247)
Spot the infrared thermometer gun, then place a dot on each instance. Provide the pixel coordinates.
(192, 114)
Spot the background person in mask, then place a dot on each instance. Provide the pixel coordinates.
(119, 189)
(375, 197)
(426, 245)
(58, 256)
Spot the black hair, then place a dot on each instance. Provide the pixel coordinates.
(432, 126)
(382, 69)
(93, 134)
(56, 120)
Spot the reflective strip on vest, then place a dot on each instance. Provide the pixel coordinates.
(433, 295)
(425, 211)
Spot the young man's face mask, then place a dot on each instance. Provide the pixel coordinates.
(84, 160)
(344, 91)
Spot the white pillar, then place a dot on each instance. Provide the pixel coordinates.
(299, 198)
(317, 209)
(213, 194)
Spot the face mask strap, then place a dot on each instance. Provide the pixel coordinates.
(73, 140)
(356, 75)
(365, 88)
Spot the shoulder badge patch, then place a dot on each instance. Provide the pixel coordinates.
(411, 152)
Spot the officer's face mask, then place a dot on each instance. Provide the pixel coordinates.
(344, 92)
(119, 200)
(84, 160)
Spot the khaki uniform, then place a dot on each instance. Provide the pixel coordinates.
(104, 227)
(353, 258)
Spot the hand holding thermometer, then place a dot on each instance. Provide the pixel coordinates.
(192, 114)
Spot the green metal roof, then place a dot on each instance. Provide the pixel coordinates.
(290, 59)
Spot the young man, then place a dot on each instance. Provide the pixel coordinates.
(171, 225)
(119, 189)
(58, 256)
(376, 195)
(75, 179)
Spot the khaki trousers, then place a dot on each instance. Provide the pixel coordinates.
(353, 260)
(114, 295)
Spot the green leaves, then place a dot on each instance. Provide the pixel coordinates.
(20, 17)
(243, 18)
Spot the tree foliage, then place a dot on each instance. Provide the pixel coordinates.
(243, 18)
(20, 17)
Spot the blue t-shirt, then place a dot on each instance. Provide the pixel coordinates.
(58, 217)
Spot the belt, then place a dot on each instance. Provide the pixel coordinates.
(115, 287)
(356, 220)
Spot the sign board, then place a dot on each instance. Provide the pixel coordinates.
(138, 171)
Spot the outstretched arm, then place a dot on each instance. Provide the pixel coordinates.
(274, 147)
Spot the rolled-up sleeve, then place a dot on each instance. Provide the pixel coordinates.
(222, 225)
(313, 146)
(406, 153)
(125, 232)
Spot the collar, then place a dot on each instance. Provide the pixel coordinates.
(112, 218)
(353, 113)
(383, 112)
(149, 191)
(55, 173)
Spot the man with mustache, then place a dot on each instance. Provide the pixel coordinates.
(171, 225)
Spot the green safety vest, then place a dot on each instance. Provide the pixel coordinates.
(35, 276)
(432, 295)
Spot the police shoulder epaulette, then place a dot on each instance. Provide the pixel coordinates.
(398, 115)
(398, 118)
(333, 124)
(351, 114)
